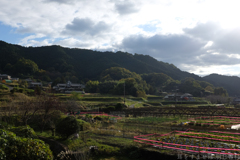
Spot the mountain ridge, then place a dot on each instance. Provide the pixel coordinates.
(84, 64)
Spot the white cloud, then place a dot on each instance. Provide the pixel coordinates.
(127, 7)
(30, 40)
(86, 26)
(185, 33)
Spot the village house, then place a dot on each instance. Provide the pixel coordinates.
(187, 96)
(236, 101)
(15, 79)
(28, 80)
(177, 97)
(33, 85)
(5, 76)
(172, 97)
(69, 87)
(6, 81)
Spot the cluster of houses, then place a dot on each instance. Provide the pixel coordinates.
(4, 78)
(7, 78)
(60, 87)
(69, 87)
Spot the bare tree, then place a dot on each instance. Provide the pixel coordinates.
(27, 110)
(7, 112)
(50, 109)
(73, 106)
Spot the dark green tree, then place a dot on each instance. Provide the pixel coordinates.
(56, 81)
(107, 87)
(92, 86)
(26, 66)
(68, 126)
(131, 87)
(220, 91)
(38, 90)
(117, 73)
(190, 85)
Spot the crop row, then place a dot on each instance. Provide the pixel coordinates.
(146, 139)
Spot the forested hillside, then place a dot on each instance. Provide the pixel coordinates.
(230, 83)
(84, 63)
(59, 64)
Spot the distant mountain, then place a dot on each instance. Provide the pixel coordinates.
(83, 65)
(230, 83)
(86, 63)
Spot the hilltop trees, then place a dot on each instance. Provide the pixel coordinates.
(220, 91)
(25, 66)
(113, 80)
(107, 87)
(157, 79)
(189, 85)
(117, 73)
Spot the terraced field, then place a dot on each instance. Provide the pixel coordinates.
(210, 144)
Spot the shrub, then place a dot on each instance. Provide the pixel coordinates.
(88, 116)
(83, 125)
(3, 87)
(24, 131)
(106, 149)
(108, 109)
(30, 92)
(18, 148)
(98, 118)
(71, 125)
(119, 107)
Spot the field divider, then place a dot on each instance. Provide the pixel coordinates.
(211, 138)
(162, 146)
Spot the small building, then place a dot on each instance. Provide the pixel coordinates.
(172, 97)
(15, 79)
(6, 81)
(236, 101)
(69, 87)
(5, 76)
(28, 80)
(187, 97)
(33, 85)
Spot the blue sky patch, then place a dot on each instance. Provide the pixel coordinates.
(9, 35)
(148, 27)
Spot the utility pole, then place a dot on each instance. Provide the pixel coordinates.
(124, 92)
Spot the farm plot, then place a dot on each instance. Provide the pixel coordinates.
(212, 143)
(101, 115)
(214, 121)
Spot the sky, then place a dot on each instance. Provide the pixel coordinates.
(197, 36)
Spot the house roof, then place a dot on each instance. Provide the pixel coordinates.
(9, 81)
(75, 84)
(187, 95)
(237, 99)
(36, 83)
